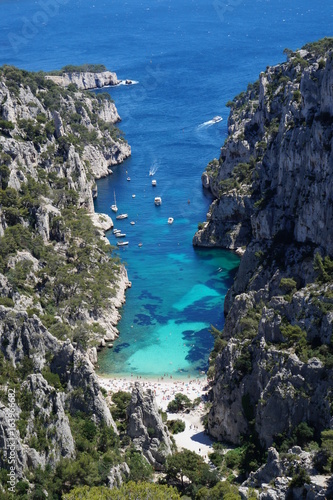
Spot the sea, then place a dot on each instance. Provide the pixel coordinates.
(187, 58)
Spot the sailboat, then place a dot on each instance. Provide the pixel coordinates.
(114, 207)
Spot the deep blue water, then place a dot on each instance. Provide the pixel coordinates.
(190, 57)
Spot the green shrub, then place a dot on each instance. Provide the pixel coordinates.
(52, 379)
(6, 301)
(288, 285)
(180, 403)
(233, 458)
(299, 479)
(176, 426)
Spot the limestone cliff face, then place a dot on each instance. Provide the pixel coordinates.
(86, 80)
(274, 197)
(146, 428)
(54, 143)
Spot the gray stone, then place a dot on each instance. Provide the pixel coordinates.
(146, 428)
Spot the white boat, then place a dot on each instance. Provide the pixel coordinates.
(153, 182)
(115, 231)
(120, 235)
(158, 200)
(140, 245)
(122, 216)
(170, 220)
(122, 243)
(217, 119)
(132, 222)
(128, 178)
(133, 195)
(114, 207)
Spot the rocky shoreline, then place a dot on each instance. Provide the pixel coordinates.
(54, 143)
(271, 365)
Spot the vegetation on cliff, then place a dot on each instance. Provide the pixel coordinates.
(58, 277)
(272, 364)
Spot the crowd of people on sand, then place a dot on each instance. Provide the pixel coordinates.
(164, 388)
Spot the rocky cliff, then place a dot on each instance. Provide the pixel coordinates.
(61, 288)
(146, 428)
(273, 199)
(84, 77)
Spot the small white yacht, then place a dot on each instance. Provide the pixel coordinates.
(217, 119)
(132, 223)
(158, 201)
(122, 216)
(122, 243)
(115, 231)
(120, 235)
(128, 178)
(170, 220)
(153, 182)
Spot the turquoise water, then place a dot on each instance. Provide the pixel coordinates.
(190, 57)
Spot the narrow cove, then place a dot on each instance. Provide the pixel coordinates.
(177, 291)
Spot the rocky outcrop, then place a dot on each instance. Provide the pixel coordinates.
(117, 475)
(47, 436)
(85, 80)
(274, 478)
(273, 189)
(146, 429)
(77, 374)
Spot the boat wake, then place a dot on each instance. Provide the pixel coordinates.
(211, 122)
(153, 170)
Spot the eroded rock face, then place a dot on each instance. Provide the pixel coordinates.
(117, 475)
(50, 407)
(86, 80)
(273, 189)
(146, 428)
(273, 478)
(77, 373)
(26, 338)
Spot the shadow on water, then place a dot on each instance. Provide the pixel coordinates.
(145, 294)
(121, 347)
(144, 320)
(200, 346)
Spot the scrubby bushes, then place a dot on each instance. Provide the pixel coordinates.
(176, 426)
(180, 403)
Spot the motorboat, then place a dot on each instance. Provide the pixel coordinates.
(122, 243)
(128, 178)
(140, 245)
(217, 119)
(120, 235)
(153, 182)
(114, 207)
(133, 195)
(170, 220)
(132, 223)
(122, 216)
(115, 231)
(158, 201)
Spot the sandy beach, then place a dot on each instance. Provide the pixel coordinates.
(193, 437)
